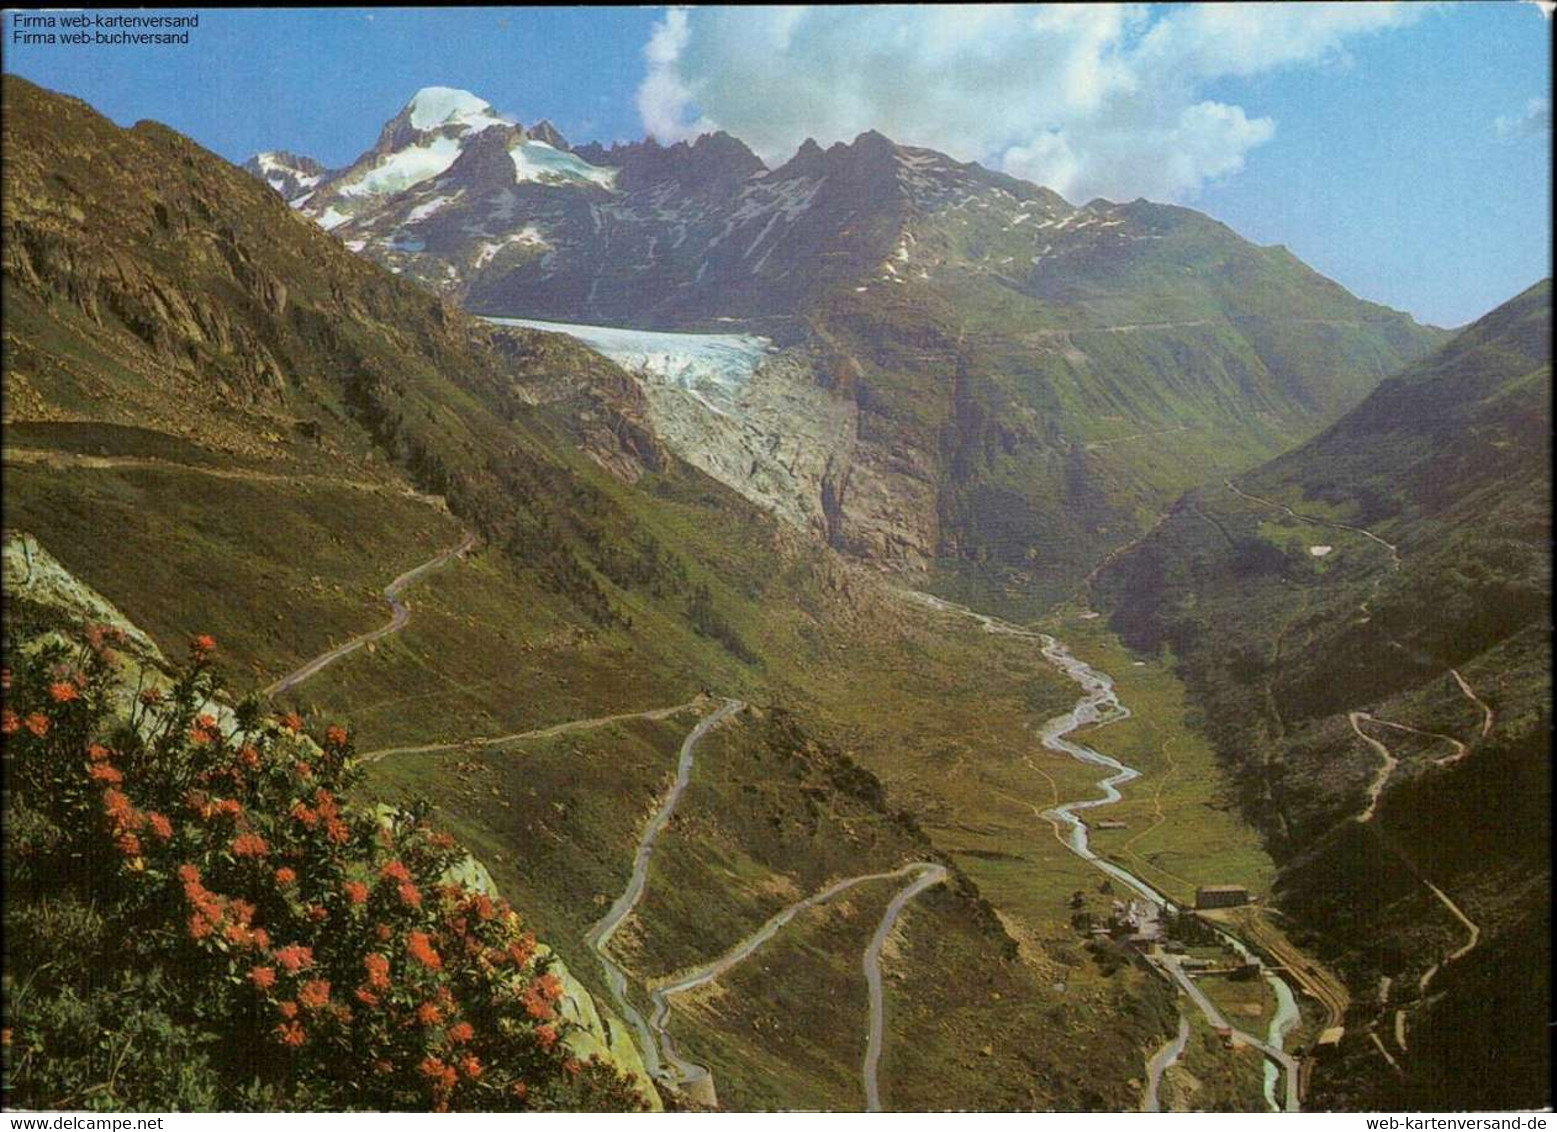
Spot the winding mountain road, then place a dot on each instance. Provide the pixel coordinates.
(924, 874)
(932, 874)
(1288, 1063)
(1381, 779)
(1487, 716)
(1394, 551)
(1376, 788)
(599, 936)
(54, 458)
(400, 613)
(1460, 749)
(1158, 1064)
(1472, 929)
(540, 733)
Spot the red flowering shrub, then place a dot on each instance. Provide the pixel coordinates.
(317, 948)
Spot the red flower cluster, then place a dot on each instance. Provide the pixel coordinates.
(295, 957)
(211, 912)
(420, 948)
(205, 731)
(539, 996)
(124, 820)
(378, 970)
(247, 830)
(249, 845)
(314, 994)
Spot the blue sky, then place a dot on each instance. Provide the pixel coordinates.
(1402, 151)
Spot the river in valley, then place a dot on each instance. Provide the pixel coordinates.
(1098, 706)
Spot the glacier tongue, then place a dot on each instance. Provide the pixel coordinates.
(759, 420)
(716, 368)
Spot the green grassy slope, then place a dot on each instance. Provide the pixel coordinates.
(1448, 462)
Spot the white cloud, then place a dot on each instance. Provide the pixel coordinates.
(1546, 6)
(1091, 100)
(1535, 121)
(663, 98)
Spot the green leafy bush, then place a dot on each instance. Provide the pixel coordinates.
(198, 918)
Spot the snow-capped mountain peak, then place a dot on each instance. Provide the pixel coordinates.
(435, 106)
(292, 176)
(444, 168)
(441, 134)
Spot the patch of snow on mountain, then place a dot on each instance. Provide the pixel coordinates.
(537, 161)
(278, 172)
(332, 219)
(790, 198)
(404, 168)
(529, 235)
(436, 106)
(714, 368)
(423, 211)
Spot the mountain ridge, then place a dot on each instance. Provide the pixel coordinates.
(999, 343)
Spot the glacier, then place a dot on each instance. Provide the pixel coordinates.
(714, 368)
(403, 168)
(537, 161)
